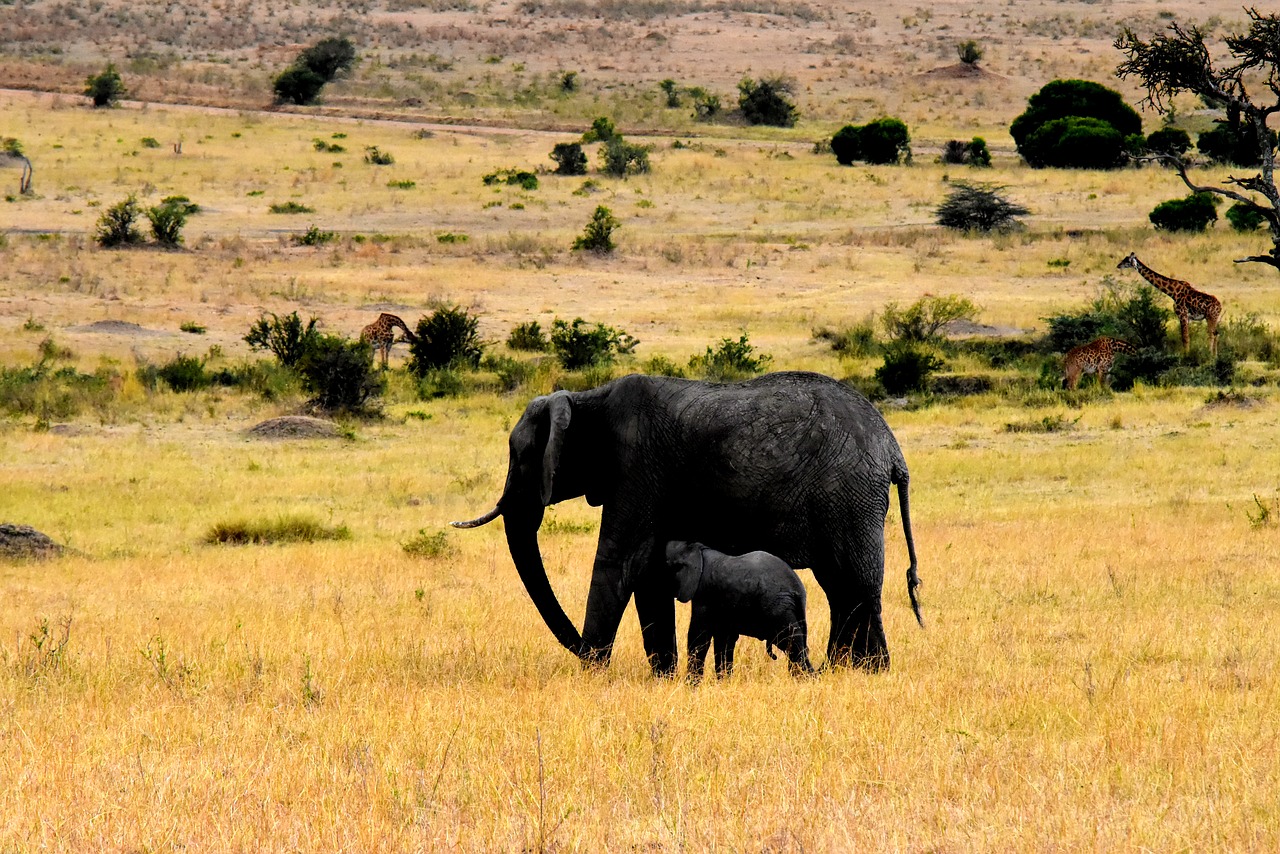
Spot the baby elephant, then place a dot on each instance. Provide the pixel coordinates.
(755, 594)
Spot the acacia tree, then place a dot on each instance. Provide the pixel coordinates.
(1180, 62)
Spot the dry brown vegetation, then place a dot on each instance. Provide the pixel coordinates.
(1099, 668)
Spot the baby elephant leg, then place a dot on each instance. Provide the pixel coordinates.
(699, 644)
(724, 654)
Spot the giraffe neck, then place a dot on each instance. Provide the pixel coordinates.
(1161, 283)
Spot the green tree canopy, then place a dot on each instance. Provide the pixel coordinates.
(1081, 99)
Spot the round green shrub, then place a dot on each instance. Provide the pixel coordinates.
(1074, 142)
(1194, 213)
(1074, 99)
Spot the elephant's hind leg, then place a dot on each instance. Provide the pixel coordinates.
(853, 584)
(657, 612)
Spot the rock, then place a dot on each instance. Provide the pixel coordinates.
(295, 427)
(22, 542)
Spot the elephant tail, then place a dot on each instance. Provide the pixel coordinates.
(902, 479)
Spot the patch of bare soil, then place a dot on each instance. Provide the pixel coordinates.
(294, 427)
(116, 327)
(22, 542)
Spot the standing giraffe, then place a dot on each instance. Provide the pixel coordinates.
(382, 334)
(1188, 303)
(1096, 357)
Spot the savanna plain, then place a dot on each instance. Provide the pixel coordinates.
(1101, 570)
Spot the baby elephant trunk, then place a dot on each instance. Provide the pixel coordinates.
(795, 644)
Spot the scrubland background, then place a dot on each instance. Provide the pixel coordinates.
(1099, 665)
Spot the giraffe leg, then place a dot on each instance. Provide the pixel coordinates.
(1213, 335)
(1186, 333)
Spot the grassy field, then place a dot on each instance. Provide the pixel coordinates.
(1100, 573)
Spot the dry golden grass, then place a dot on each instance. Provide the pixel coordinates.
(1099, 668)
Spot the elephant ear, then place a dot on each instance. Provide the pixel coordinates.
(559, 413)
(689, 575)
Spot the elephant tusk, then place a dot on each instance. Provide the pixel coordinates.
(479, 520)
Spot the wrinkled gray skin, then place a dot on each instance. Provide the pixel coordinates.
(754, 594)
(794, 463)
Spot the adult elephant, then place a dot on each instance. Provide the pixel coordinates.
(792, 463)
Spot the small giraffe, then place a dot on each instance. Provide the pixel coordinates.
(1188, 303)
(1096, 357)
(382, 334)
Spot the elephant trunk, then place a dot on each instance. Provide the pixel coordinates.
(522, 539)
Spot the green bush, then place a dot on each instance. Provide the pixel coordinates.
(106, 89)
(907, 368)
(706, 105)
(1089, 126)
(598, 235)
(315, 66)
(428, 545)
(579, 345)
(184, 373)
(883, 141)
(730, 361)
(441, 382)
(290, 208)
(329, 57)
(1075, 142)
(511, 373)
(1173, 141)
(972, 153)
(447, 338)
(969, 52)
(167, 221)
(569, 158)
(528, 337)
(1193, 213)
(923, 320)
(53, 394)
(978, 207)
(621, 158)
(313, 236)
(857, 341)
(339, 374)
(297, 85)
(661, 366)
(886, 141)
(1133, 313)
(271, 381)
(846, 145)
(1245, 217)
(513, 178)
(767, 101)
(1232, 144)
(602, 130)
(286, 337)
(672, 92)
(118, 225)
(377, 157)
(1248, 337)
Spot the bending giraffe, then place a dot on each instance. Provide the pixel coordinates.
(1188, 303)
(382, 334)
(1096, 357)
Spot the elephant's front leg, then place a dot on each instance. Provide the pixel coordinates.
(606, 600)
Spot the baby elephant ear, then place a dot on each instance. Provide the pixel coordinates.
(689, 573)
